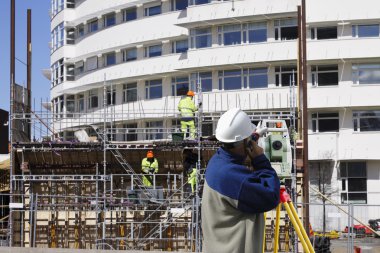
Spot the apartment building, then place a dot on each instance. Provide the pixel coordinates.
(130, 61)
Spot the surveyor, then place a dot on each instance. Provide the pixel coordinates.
(234, 196)
(149, 166)
(187, 109)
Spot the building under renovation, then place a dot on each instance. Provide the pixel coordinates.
(118, 71)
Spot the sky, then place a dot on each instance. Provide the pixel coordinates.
(40, 48)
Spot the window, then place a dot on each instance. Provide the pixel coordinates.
(362, 31)
(110, 59)
(257, 32)
(353, 176)
(325, 122)
(153, 89)
(366, 73)
(198, 2)
(80, 102)
(242, 33)
(131, 132)
(111, 96)
(324, 75)
(324, 33)
(92, 63)
(247, 78)
(285, 29)
(56, 6)
(79, 68)
(284, 75)
(153, 51)
(154, 130)
(80, 29)
(57, 37)
(129, 92)
(70, 72)
(365, 121)
(93, 26)
(180, 86)
(129, 14)
(93, 99)
(129, 54)
(200, 38)
(58, 106)
(230, 79)
(229, 35)
(205, 79)
(70, 36)
(179, 5)
(109, 20)
(180, 46)
(70, 106)
(151, 11)
(70, 3)
(57, 73)
(256, 78)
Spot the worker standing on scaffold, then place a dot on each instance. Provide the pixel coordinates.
(235, 197)
(149, 166)
(187, 109)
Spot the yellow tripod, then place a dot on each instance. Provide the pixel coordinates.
(297, 224)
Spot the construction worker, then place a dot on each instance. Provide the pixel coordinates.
(190, 160)
(234, 196)
(149, 166)
(187, 109)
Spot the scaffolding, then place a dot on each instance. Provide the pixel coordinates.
(73, 194)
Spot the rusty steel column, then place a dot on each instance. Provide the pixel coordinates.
(305, 120)
(29, 70)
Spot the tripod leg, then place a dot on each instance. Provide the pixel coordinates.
(296, 227)
(277, 229)
(303, 231)
(265, 226)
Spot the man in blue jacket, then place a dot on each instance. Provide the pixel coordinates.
(234, 196)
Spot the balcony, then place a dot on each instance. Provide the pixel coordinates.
(221, 12)
(65, 51)
(344, 146)
(95, 8)
(146, 30)
(133, 70)
(352, 48)
(343, 96)
(341, 11)
(241, 54)
(67, 14)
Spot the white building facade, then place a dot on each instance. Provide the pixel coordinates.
(129, 62)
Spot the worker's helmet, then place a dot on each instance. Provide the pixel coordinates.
(190, 93)
(278, 124)
(233, 126)
(150, 154)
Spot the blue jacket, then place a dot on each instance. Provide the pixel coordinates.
(233, 202)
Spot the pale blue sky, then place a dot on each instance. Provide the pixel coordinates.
(40, 47)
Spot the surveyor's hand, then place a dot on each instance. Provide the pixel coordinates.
(253, 150)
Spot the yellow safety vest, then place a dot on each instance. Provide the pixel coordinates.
(187, 107)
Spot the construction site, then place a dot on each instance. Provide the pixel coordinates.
(75, 179)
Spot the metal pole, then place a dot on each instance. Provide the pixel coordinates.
(104, 155)
(11, 125)
(29, 70)
(305, 119)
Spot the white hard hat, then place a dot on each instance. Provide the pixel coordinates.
(233, 126)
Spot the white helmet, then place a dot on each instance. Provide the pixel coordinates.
(233, 126)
